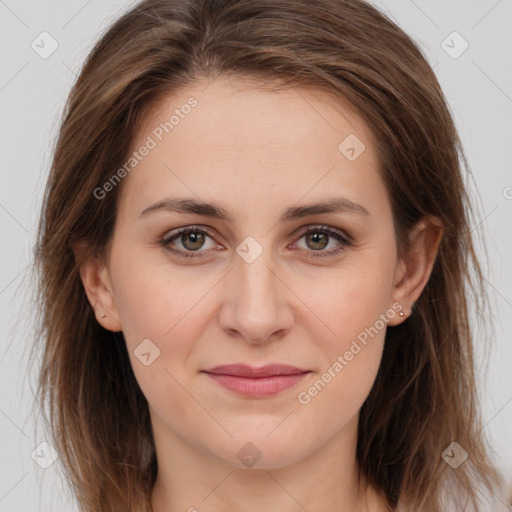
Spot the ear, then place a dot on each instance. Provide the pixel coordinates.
(413, 271)
(95, 278)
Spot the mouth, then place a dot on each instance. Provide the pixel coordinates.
(256, 382)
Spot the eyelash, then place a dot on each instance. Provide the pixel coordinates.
(344, 241)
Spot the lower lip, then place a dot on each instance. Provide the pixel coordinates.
(258, 387)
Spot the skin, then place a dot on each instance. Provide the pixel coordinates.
(256, 152)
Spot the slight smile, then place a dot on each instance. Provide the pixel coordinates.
(257, 382)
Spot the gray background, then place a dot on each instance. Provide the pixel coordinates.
(478, 85)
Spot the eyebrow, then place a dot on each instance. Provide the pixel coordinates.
(190, 205)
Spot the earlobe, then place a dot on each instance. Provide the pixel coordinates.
(97, 286)
(413, 272)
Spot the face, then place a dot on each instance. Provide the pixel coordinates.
(272, 283)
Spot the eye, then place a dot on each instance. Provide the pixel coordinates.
(317, 238)
(193, 238)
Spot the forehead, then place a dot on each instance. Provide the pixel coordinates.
(274, 113)
(227, 137)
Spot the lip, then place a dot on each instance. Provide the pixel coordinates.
(243, 370)
(257, 382)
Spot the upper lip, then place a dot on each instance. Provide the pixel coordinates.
(243, 370)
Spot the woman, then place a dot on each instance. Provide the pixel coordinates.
(253, 255)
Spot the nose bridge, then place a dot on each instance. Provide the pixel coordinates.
(256, 294)
(257, 286)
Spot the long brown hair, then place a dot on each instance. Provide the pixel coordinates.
(424, 397)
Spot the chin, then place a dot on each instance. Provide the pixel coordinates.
(256, 449)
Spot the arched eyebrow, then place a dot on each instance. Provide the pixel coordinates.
(192, 206)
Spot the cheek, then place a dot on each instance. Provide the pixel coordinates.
(334, 397)
(356, 312)
(354, 309)
(168, 314)
(355, 315)
(158, 302)
(168, 309)
(349, 302)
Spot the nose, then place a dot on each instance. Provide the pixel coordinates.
(256, 305)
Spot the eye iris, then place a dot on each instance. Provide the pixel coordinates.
(317, 237)
(197, 240)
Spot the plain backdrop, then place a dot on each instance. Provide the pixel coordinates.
(477, 82)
